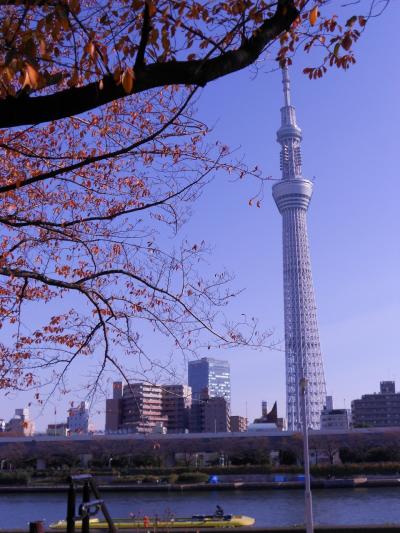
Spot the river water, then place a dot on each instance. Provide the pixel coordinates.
(268, 507)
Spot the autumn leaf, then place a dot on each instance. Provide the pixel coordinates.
(351, 21)
(347, 42)
(336, 50)
(74, 80)
(128, 78)
(313, 15)
(152, 8)
(91, 48)
(362, 21)
(42, 47)
(31, 77)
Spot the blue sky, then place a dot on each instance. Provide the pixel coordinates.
(350, 127)
(349, 122)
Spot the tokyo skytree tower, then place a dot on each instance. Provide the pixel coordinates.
(292, 195)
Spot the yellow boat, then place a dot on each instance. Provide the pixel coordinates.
(195, 521)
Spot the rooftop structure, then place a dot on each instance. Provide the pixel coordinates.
(268, 419)
(292, 195)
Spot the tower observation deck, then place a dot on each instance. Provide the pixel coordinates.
(292, 195)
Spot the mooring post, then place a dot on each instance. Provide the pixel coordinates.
(71, 508)
(86, 514)
(36, 527)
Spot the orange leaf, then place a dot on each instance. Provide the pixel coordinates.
(117, 75)
(152, 8)
(31, 77)
(128, 77)
(313, 15)
(91, 49)
(9, 73)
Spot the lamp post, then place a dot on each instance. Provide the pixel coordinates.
(307, 478)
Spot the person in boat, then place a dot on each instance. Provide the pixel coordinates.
(219, 512)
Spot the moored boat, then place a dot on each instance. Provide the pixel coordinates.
(195, 521)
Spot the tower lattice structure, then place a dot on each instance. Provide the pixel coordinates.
(292, 195)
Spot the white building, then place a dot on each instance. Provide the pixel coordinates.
(78, 419)
(334, 418)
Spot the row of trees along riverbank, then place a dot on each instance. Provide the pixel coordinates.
(153, 475)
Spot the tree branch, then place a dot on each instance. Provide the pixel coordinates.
(42, 223)
(23, 110)
(146, 27)
(95, 159)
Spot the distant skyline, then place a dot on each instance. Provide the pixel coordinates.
(349, 122)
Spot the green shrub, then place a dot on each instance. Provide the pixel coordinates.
(250, 457)
(287, 457)
(380, 454)
(151, 479)
(193, 477)
(14, 478)
(354, 469)
(128, 479)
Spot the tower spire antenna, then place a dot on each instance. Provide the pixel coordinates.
(289, 135)
(286, 85)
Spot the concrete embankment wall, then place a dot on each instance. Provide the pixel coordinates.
(384, 528)
(119, 487)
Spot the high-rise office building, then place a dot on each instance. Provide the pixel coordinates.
(212, 375)
(292, 194)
